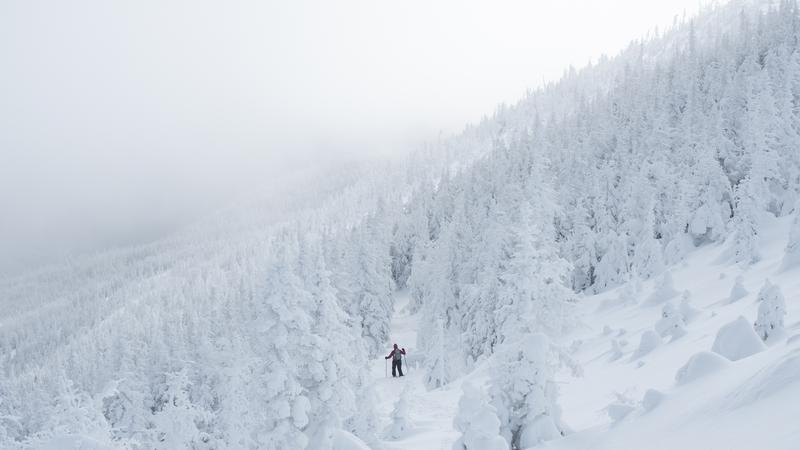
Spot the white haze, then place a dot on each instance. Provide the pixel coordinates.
(121, 120)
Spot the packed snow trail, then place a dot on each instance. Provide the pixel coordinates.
(431, 412)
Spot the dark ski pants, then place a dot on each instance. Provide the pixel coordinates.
(397, 364)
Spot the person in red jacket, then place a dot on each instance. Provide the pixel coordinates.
(397, 360)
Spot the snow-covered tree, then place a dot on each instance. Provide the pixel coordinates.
(525, 394)
(334, 355)
(477, 421)
(771, 312)
(612, 269)
(745, 245)
(400, 420)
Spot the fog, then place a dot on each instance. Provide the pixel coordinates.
(123, 120)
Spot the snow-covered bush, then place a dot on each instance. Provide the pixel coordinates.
(401, 422)
(649, 341)
(687, 311)
(737, 340)
(524, 391)
(477, 421)
(771, 311)
(737, 290)
(671, 323)
(664, 290)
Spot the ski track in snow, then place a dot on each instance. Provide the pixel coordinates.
(431, 412)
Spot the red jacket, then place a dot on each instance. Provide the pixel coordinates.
(402, 350)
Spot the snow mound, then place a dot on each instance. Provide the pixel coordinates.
(700, 365)
(652, 398)
(542, 429)
(342, 440)
(649, 341)
(737, 340)
(768, 381)
(618, 411)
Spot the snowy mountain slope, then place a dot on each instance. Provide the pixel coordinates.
(749, 403)
(101, 346)
(525, 246)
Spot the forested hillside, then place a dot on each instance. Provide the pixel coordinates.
(255, 328)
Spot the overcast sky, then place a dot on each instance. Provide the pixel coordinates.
(120, 120)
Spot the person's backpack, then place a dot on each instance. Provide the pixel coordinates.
(397, 355)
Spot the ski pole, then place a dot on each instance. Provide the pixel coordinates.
(385, 368)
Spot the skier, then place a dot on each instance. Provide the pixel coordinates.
(397, 360)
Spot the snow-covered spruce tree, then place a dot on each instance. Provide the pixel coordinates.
(371, 299)
(532, 277)
(439, 338)
(440, 364)
(524, 392)
(409, 236)
(746, 227)
(334, 356)
(477, 421)
(284, 322)
(532, 294)
(771, 311)
(648, 256)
